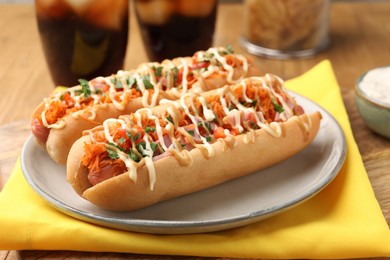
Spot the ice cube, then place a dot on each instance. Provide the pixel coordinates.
(79, 6)
(52, 8)
(106, 13)
(195, 8)
(156, 12)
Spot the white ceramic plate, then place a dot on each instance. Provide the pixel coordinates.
(236, 203)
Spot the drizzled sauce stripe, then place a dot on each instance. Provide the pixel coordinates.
(177, 134)
(216, 57)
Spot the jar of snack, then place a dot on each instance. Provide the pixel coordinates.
(285, 28)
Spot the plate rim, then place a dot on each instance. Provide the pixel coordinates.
(185, 226)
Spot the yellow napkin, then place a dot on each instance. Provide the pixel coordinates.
(342, 221)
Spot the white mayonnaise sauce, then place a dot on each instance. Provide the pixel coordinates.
(147, 71)
(376, 85)
(170, 135)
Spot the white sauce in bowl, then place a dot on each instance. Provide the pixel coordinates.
(376, 85)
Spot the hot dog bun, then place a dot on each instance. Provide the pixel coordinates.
(266, 138)
(143, 87)
(60, 140)
(173, 180)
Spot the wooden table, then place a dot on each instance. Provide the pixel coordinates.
(360, 37)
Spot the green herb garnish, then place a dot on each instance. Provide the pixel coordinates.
(229, 49)
(278, 107)
(153, 146)
(147, 83)
(207, 56)
(149, 129)
(85, 89)
(134, 156)
(121, 140)
(117, 146)
(133, 137)
(205, 125)
(158, 71)
(175, 71)
(112, 154)
(141, 147)
(131, 81)
(169, 118)
(117, 83)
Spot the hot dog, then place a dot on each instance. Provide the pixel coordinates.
(187, 145)
(60, 119)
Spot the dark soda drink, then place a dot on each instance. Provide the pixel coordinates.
(176, 28)
(82, 39)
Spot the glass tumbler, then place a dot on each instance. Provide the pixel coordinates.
(82, 38)
(176, 28)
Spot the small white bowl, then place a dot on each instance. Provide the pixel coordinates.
(373, 99)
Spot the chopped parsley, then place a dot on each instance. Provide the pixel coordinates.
(134, 156)
(149, 129)
(116, 146)
(133, 137)
(278, 107)
(158, 71)
(112, 154)
(117, 83)
(207, 56)
(141, 147)
(153, 146)
(121, 140)
(205, 125)
(175, 71)
(169, 118)
(147, 83)
(85, 89)
(229, 50)
(131, 81)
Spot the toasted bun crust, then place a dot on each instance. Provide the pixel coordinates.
(120, 193)
(59, 141)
